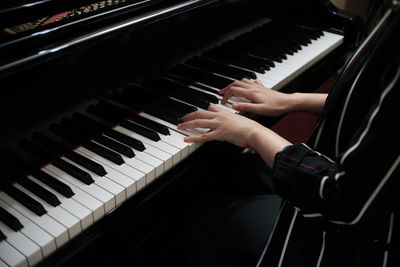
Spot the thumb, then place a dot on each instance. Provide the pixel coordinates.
(246, 107)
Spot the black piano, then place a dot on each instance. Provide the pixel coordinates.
(92, 167)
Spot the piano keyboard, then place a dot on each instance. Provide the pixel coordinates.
(121, 145)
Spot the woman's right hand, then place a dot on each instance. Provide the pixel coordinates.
(263, 101)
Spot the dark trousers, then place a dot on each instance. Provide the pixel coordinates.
(231, 227)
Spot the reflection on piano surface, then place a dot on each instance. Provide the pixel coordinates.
(91, 160)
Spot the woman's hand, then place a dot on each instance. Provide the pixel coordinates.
(268, 102)
(236, 129)
(223, 125)
(263, 101)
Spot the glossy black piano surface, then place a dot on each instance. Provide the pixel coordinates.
(89, 89)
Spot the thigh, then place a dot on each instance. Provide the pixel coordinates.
(232, 231)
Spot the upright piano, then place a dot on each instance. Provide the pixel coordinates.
(92, 167)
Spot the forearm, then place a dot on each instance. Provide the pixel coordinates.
(307, 102)
(266, 143)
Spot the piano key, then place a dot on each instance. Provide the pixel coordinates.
(29, 249)
(70, 222)
(14, 176)
(85, 199)
(109, 185)
(150, 124)
(44, 240)
(145, 163)
(73, 171)
(113, 169)
(168, 154)
(66, 133)
(48, 224)
(84, 214)
(114, 145)
(26, 167)
(2, 236)
(95, 191)
(127, 183)
(8, 219)
(11, 256)
(220, 68)
(22, 198)
(192, 147)
(56, 145)
(148, 133)
(86, 133)
(36, 149)
(127, 140)
(176, 139)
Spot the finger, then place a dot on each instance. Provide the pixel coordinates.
(247, 107)
(200, 138)
(244, 83)
(238, 92)
(215, 108)
(197, 123)
(198, 114)
(259, 82)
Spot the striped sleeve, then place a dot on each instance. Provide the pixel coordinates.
(362, 182)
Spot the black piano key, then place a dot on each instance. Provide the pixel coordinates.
(164, 115)
(95, 148)
(136, 128)
(127, 140)
(189, 72)
(2, 236)
(151, 124)
(40, 192)
(53, 183)
(69, 154)
(28, 168)
(56, 161)
(104, 152)
(173, 83)
(86, 162)
(21, 197)
(114, 145)
(74, 171)
(171, 88)
(14, 175)
(79, 128)
(10, 220)
(223, 69)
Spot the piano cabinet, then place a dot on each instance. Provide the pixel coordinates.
(90, 104)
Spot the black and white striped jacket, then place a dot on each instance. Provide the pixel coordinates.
(342, 189)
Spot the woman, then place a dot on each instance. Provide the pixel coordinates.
(340, 191)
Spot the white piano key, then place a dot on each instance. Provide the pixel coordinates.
(104, 182)
(3, 264)
(95, 191)
(141, 165)
(151, 147)
(48, 224)
(115, 170)
(82, 213)
(175, 128)
(19, 241)
(85, 199)
(176, 139)
(157, 164)
(45, 241)
(11, 256)
(57, 213)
